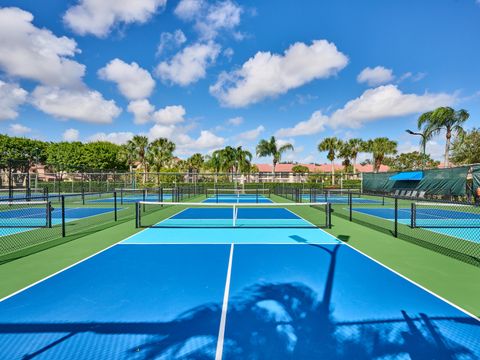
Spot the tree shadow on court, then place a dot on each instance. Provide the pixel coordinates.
(288, 320)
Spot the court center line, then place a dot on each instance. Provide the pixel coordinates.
(223, 318)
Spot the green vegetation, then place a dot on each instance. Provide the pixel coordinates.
(466, 150)
(447, 119)
(300, 169)
(411, 161)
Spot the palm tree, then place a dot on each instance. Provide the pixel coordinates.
(345, 153)
(444, 118)
(243, 159)
(128, 155)
(380, 147)
(272, 148)
(355, 146)
(331, 145)
(214, 162)
(160, 153)
(195, 162)
(140, 144)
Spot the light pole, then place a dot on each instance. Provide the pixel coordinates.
(424, 144)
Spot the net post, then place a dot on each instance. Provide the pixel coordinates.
(257, 194)
(121, 196)
(350, 206)
(395, 228)
(216, 194)
(413, 213)
(83, 196)
(49, 214)
(329, 215)
(137, 215)
(234, 215)
(115, 205)
(144, 193)
(64, 233)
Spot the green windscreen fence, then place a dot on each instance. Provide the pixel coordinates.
(378, 182)
(476, 177)
(451, 181)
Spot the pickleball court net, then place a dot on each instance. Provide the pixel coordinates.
(236, 215)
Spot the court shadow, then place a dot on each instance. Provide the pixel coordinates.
(266, 320)
(344, 238)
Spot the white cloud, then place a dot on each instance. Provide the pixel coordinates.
(235, 121)
(19, 129)
(133, 82)
(374, 104)
(118, 138)
(84, 105)
(206, 140)
(11, 97)
(142, 110)
(169, 115)
(189, 65)
(251, 134)
(170, 40)
(36, 54)
(71, 135)
(99, 17)
(188, 9)
(210, 19)
(315, 124)
(268, 75)
(377, 76)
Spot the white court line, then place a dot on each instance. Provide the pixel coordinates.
(234, 243)
(223, 318)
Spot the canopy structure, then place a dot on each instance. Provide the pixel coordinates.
(407, 176)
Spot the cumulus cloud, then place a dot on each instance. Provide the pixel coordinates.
(170, 40)
(169, 115)
(186, 144)
(19, 129)
(37, 54)
(132, 81)
(251, 134)
(383, 102)
(118, 138)
(99, 17)
(377, 76)
(235, 121)
(142, 110)
(71, 135)
(268, 75)
(11, 97)
(210, 18)
(82, 105)
(189, 65)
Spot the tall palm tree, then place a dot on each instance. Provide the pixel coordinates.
(243, 159)
(128, 155)
(273, 149)
(356, 146)
(214, 162)
(195, 162)
(160, 153)
(444, 118)
(379, 147)
(140, 144)
(345, 153)
(332, 145)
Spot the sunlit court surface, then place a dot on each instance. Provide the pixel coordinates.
(232, 279)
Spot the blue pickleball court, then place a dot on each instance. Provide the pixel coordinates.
(186, 292)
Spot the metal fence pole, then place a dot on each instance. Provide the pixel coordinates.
(115, 204)
(350, 205)
(63, 216)
(395, 230)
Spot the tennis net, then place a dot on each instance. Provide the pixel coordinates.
(25, 214)
(237, 192)
(232, 215)
(444, 215)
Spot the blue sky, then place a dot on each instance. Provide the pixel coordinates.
(213, 73)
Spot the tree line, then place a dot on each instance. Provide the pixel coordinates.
(139, 153)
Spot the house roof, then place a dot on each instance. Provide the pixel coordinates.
(317, 167)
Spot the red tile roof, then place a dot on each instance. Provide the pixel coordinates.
(317, 167)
